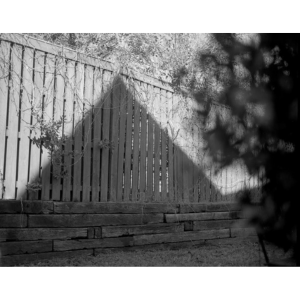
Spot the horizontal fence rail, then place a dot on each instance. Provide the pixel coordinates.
(117, 137)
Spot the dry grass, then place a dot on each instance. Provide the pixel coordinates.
(241, 254)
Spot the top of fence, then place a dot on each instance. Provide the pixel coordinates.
(71, 54)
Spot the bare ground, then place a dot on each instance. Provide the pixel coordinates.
(240, 254)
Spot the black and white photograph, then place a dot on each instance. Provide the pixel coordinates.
(140, 149)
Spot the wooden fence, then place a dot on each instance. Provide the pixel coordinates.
(129, 137)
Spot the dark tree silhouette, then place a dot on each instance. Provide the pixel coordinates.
(259, 81)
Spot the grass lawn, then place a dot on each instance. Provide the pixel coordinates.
(238, 254)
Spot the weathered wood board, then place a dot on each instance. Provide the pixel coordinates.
(115, 231)
(180, 236)
(32, 207)
(41, 234)
(92, 243)
(214, 224)
(13, 220)
(195, 208)
(12, 248)
(114, 208)
(83, 220)
(202, 216)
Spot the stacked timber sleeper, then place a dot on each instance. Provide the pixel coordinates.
(35, 230)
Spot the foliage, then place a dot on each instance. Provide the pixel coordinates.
(106, 144)
(34, 186)
(156, 54)
(52, 140)
(256, 76)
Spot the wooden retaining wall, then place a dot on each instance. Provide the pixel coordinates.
(35, 230)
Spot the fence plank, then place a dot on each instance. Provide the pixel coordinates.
(78, 122)
(171, 136)
(202, 186)
(179, 171)
(157, 139)
(68, 130)
(202, 177)
(97, 119)
(12, 139)
(88, 101)
(208, 183)
(136, 152)
(163, 146)
(105, 136)
(143, 169)
(4, 78)
(47, 117)
(60, 69)
(150, 146)
(35, 160)
(115, 109)
(128, 150)
(191, 164)
(196, 165)
(121, 154)
(230, 187)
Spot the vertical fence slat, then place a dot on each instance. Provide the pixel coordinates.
(225, 189)
(47, 117)
(179, 171)
(35, 162)
(192, 179)
(157, 145)
(123, 113)
(201, 155)
(136, 152)
(88, 101)
(68, 128)
(97, 134)
(114, 138)
(150, 146)
(128, 150)
(25, 123)
(230, 183)
(185, 178)
(196, 166)
(219, 186)
(12, 139)
(143, 170)
(4, 76)
(163, 146)
(105, 137)
(78, 122)
(170, 149)
(175, 159)
(60, 69)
